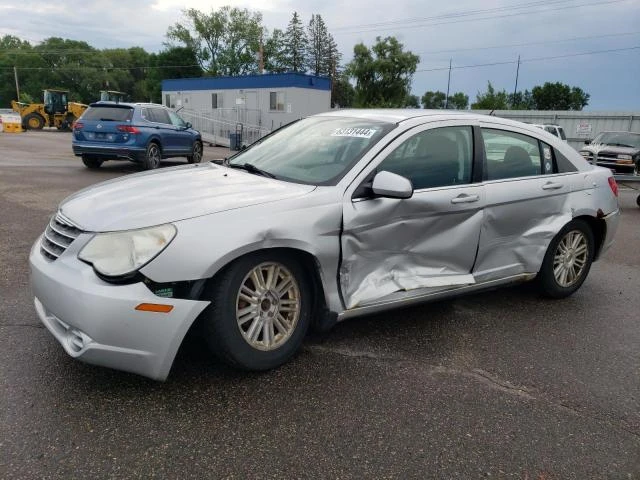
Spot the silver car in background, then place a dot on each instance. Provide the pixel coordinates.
(341, 214)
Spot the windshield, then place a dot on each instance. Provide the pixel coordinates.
(619, 139)
(316, 150)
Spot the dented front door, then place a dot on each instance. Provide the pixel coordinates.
(395, 248)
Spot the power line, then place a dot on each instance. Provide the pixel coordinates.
(546, 42)
(536, 59)
(404, 27)
(458, 14)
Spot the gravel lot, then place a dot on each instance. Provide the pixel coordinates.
(501, 384)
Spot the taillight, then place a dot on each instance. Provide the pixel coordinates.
(78, 126)
(613, 185)
(127, 129)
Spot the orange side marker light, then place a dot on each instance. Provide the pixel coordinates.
(154, 307)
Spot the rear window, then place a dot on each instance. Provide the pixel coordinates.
(108, 114)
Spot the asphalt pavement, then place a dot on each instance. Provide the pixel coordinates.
(502, 384)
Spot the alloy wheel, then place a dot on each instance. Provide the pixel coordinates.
(570, 258)
(268, 306)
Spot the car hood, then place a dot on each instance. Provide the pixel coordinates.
(171, 194)
(603, 147)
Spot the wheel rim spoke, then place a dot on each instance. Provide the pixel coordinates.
(268, 306)
(570, 258)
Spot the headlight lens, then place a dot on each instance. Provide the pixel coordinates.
(121, 253)
(624, 157)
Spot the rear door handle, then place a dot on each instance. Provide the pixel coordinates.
(464, 198)
(552, 186)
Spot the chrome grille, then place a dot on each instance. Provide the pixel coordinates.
(60, 233)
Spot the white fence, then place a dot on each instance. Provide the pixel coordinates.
(217, 130)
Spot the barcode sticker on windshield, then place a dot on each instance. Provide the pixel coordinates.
(354, 132)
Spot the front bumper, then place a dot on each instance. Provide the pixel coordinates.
(96, 322)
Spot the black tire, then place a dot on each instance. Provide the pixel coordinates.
(33, 121)
(638, 200)
(196, 152)
(152, 156)
(548, 282)
(91, 162)
(223, 332)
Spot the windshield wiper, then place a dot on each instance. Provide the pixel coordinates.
(249, 167)
(621, 145)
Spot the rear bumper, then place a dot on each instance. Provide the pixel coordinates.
(612, 220)
(97, 323)
(110, 152)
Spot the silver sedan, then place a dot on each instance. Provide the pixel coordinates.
(337, 215)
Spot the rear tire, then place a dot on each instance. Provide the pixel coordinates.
(568, 260)
(152, 156)
(260, 311)
(196, 152)
(34, 121)
(91, 162)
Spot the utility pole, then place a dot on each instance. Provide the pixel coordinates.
(446, 100)
(15, 74)
(515, 90)
(261, 58)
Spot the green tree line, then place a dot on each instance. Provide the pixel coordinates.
(233, 41)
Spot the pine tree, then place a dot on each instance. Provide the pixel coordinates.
(295, 43)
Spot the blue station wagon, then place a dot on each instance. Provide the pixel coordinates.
(144, 133)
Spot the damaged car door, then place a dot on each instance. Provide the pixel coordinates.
(527, 203)
(394, 248)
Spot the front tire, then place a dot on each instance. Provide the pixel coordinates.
(90, 162)
(568, 260)
(34, 121)
(152, 156)
(196, 153)
(260, 311)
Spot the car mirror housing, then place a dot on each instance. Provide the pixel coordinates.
(587, 142)
(187, 125)
(391, 185)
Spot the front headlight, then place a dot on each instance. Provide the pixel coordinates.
(624, 157)
(121, 253)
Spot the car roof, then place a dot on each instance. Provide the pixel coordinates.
(401, 115)
(103, 103)
(394, 115)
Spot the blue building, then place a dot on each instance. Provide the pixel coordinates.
(268, 101)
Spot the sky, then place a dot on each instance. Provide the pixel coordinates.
(592, 44)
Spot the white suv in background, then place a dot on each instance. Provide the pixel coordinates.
(555, 130)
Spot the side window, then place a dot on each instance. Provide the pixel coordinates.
(144, 113)
(215, 101)
(563, 163)
(160, 115)
(434, 158)
(510, 155)
(551, 130)
(276, 101)
(176, 121)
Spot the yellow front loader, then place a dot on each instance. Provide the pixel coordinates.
(56, 111)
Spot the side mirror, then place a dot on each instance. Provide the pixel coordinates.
(187, 125)
(391, 185)
(587, 142)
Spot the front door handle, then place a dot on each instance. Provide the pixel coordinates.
(464, 198)
(552, 186)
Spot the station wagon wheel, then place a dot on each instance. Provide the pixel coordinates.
(91, 162)
(568, 260)
(259, 312)
(152, 156)
(196, 154)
